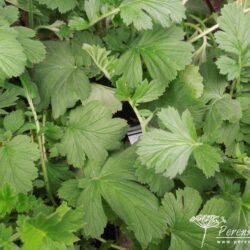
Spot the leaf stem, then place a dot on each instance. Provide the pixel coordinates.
(139, 117)
(31, 14)
(112, 245)
(41, 147)
(204, 33)
(108, 14)
(207, 31)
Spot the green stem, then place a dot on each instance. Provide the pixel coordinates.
(112, 245)
(108, 14)
(40, 141)
(31, 14)
(139, 117)
(41, 149)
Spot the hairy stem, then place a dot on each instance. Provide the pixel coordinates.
(40, 141)
(108, 14)
(139, 117)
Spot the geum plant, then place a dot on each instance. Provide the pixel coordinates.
(75, 75)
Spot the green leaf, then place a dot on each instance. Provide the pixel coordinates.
(178, 212)
(8, 98)
(34, 50)
(58, 173)
(102, 59)
(12, 57)
(184, 93)
(221, 107)
(53, 231)
(94, 215)
(17, 163)
(106, 96)
(91, 132)
(163, 52)
(9, 13)
(192, 80)
(122, 90)
(8, 200)
(62, 5)
(207, 159)
(14, 121)
(158, 183)
(234, 40)
(142, 14)
(59, 79)
(5, 238)
(115, 183)
(201, 183)
(78, 23)
(92, 8)
(168, 152)
(147, 92)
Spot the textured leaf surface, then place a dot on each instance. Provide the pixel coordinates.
(133, 203)
(62, 5)
(221, 106)
(169, 152)
(143, 13)
(91, 132)
(12, 57)
(178, 212)
(101, 58)
(163, 52)
(106, 96)
(33, 49)
(59, 79)
(17, 163)
(53, 231)
(13, 121)
(234, 39)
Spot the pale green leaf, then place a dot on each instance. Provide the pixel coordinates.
(53, 231)
(168, 152)
(192, 80)
(143, 13)
(5, 238)
(234, 39)
(33, 49)
(62, 5)
(102, 59)
(59, 79)
(8, 98)
(9, 13)
(163, 52)
(106, 96)
(8, 200)
(115, 183)
(12, 57)
(14, 121)
(92, 8)
(91, 132)
(147, 92)
(17, 163)
(178, 211)
(157, 183)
